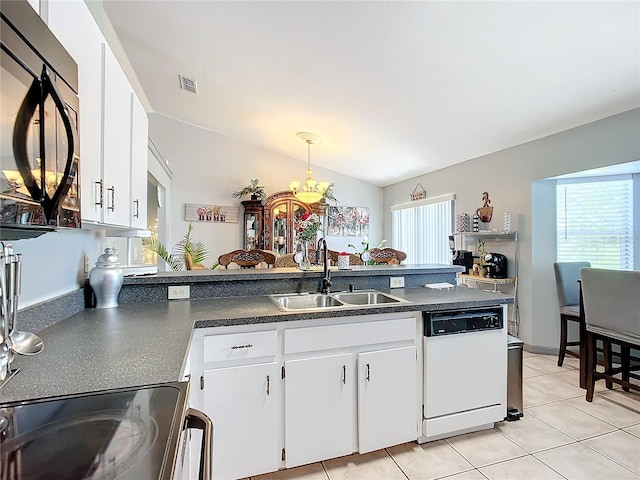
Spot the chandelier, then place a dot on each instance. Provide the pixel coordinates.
(311, 191)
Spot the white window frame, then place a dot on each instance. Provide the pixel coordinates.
(630, 252)
(421, 229)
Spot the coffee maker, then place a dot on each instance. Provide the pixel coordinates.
(460, 257)
(496, 265)
(464, 258)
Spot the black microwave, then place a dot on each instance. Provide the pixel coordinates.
(39, 142)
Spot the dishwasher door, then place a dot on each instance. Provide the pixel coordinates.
(465, 381)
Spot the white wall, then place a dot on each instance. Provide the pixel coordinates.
(207, 167)
(508, 175)
(53, 264)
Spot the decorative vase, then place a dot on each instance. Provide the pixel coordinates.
(305, 263)
(106, 279)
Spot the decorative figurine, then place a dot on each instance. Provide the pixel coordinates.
(486, 211)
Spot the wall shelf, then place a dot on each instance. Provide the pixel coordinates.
(509, 241)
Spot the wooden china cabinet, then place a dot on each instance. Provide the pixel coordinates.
(282, 213)
(273, 226)
(253, 225)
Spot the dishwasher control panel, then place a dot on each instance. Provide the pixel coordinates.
(447, 322)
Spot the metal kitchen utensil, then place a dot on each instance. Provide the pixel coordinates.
(25, 343)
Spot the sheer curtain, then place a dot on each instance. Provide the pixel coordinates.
(422, 229)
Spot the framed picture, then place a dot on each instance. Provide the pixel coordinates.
(199, 212)
(348, 221)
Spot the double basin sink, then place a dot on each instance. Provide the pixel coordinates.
(319, 301)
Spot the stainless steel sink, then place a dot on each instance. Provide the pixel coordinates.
(298, 301)
(318, 301)
(367, 297)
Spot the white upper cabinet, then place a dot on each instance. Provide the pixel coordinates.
(113, 123)
(139, 155)
(84, 41)
(116, 139)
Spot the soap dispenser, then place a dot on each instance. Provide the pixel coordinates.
(106, 279)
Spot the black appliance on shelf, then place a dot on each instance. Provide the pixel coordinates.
(39, 151)
(496, 265)
(464, 258)
(127, 433)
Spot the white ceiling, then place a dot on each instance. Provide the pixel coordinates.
(395, 88)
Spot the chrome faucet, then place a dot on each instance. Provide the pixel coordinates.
(326, 280)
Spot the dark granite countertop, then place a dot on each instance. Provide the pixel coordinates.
(144, 343)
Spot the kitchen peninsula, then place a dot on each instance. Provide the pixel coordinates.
(149, 340)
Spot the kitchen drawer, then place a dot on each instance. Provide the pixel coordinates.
(326, 337)
(239, 346)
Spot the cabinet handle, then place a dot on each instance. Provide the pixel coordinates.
(113, 198)
(100, 194)
(248, 345)
(368, 373)
(344, 374)
(268, 385)
(137, 214)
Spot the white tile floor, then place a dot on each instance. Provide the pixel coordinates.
(560, 436)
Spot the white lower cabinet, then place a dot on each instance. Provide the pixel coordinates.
(387, 395)
(243, 403)
(306, 391)
(319, 408)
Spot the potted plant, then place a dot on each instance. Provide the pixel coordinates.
(176, 259)
(254, 190)
(328, 196)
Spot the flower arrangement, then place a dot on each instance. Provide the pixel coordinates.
(365, 245)
(308, 226)
(365, 249)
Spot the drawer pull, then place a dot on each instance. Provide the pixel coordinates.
(236, 347)
(344, 374)
(368, 373)
(268, 384)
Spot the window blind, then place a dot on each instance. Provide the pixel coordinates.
(595, 222)
(423, 231)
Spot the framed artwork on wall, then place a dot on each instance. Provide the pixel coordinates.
(199, 212)
(348, 221)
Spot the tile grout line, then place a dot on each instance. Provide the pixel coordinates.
(397, 465)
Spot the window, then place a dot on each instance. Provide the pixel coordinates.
(595, 221)
(422, 229)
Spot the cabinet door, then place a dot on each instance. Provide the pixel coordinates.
(139, 149)
(73, 25)
(116, 141)
(319, 408)
(387, 398)
(244, 405)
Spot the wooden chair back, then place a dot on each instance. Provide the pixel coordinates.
(387, 255)
(247, 258)
(188, 263)
(353, 258)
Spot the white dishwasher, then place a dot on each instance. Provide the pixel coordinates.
(465, 371)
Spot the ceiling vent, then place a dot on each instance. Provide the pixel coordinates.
(188, 84)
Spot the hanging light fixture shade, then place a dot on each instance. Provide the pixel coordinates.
(311, 190)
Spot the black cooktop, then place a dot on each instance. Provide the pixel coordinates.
(126, 434)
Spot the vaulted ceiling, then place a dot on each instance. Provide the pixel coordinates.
(395, 88)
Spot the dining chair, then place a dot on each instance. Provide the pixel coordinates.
(353, 258)
(612, 314)
(247, 258)
(567, 276)
(188, 263)
(387, 255)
